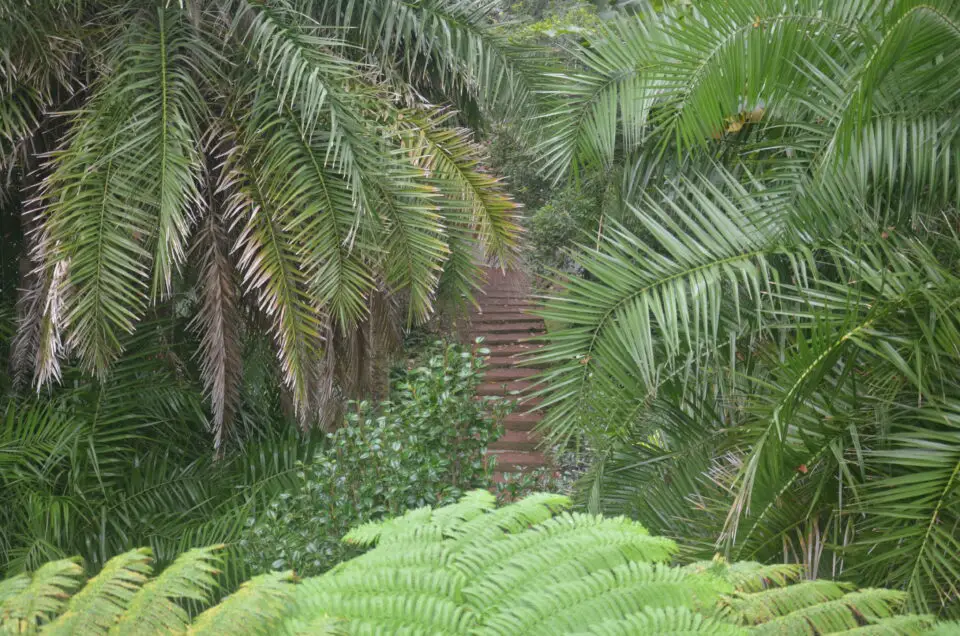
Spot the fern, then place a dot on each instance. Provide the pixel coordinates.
(34, 600)
(469, 568)
(96, 607)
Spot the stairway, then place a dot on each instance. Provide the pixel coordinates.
(503, 321)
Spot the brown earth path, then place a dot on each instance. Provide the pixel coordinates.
(505, 324)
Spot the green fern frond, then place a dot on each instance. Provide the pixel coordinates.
(895, 626)
(28, 605)
(254, 608)
(767, 605)
(96, 607)
(573, 606)
(844, 613)
(669, 620)
(156, 606)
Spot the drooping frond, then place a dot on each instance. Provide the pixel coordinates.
(217, 323)
(474, 200)
(271, 270)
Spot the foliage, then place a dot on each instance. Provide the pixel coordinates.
(570, 217)
(766, 361)
(285, 160)
(468, 568)
(99, 466)
(423, 447)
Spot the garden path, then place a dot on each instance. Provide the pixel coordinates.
(503, 321)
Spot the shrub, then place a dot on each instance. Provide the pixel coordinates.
(469, 568)
(423, 447)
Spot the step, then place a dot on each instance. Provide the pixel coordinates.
(504, 316)
(513, 337)
(528, 328)
(499, 304)
(494, 374)
(516, 461)
(515, 440)
(522, 420)
(506, 388)
(502, 362)
(505, 293)
(498, 350)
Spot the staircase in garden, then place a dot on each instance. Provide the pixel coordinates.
(506, 326)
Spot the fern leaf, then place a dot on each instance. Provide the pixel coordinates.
(835, 615)
(255, 608)
(155, 608)
(96, 607)
(668, 620)
(893, 626)
(27, 605)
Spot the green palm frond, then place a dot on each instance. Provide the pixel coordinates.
(706, 249)
(913, 507)
(339, 181)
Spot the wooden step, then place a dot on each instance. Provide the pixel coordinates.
(500, 350)
(504, 304)
(517, 461)
(498, 362)
(507, 373)
(517, 440)
(513, 337)
(522, 420)
(504, 388)
(505, 316)
(530, 329)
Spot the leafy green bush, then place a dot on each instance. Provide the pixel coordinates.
(469, 568)
(569, 217)
(423, 447)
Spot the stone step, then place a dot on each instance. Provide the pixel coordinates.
(516, 440)
(507, 373)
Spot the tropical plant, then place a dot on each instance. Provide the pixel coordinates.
(766, 361)
(283, 155)
(97, 467)
(468, 568)
(423, 447)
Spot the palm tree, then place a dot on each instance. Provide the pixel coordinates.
(282, 165)
(764, 350)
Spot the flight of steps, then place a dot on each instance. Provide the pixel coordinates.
(503, 321)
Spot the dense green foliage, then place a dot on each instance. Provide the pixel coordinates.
(288, 164)
(767, 361)
(468, 568)
(423, 448)
(98, 467)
